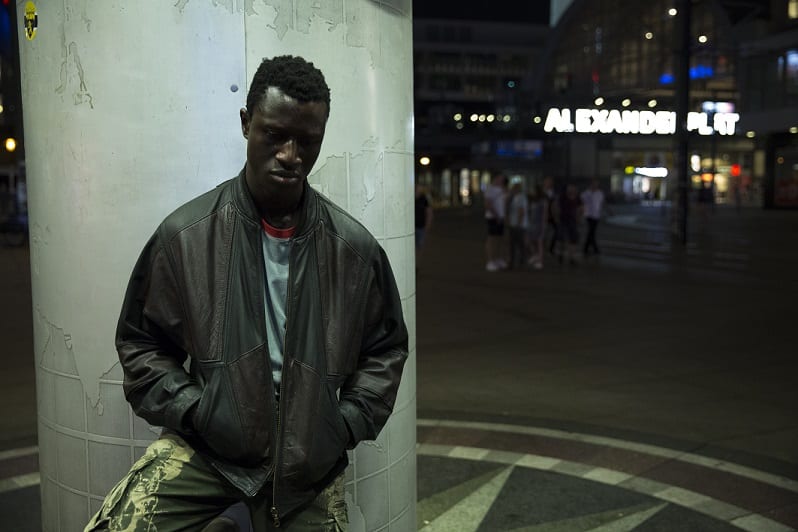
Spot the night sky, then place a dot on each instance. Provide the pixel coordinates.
(536, 11)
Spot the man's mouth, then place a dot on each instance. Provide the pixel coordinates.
(285, 177)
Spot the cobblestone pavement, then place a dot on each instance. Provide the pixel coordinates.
(653, 387)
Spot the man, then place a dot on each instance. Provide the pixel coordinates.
(570, 211)
(289, 314)
(495, 199)
(518, 221)
(552, 206)
(593, 201)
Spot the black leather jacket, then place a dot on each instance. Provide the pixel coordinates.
(197, 291)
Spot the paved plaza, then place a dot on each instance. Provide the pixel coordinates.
(652, 388)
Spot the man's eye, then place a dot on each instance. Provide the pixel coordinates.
(273, 135)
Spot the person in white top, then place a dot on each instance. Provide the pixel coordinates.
(495, 198)
(538, 207)
(593, 202)
(518, 220)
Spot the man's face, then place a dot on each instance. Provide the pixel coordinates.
(284, 138)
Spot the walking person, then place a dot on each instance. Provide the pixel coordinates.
(518, 221)
(538, 220)
(570, 212)
(495, 205)
(552, 201)
(288, 313)
(593, 202)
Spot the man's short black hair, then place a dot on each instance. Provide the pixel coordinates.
(293, 75)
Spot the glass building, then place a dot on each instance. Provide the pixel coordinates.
(469, 109)
(594, 96)
(623, 56)
(768, 84)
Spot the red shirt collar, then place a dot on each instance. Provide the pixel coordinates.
(276, 232)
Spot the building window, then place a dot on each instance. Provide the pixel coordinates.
(792, 9)
(792, 71)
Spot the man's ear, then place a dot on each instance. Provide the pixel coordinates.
(244, 122)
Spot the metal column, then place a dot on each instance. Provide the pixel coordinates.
(131, 109)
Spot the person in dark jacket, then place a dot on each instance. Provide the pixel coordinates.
(288, 313)
(570, 214)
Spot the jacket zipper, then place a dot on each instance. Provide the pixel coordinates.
(275, 512)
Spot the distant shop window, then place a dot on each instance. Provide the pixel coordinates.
(791, 71)
(785, 189)
(792, 9)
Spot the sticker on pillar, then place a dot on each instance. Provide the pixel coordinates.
(31, 20)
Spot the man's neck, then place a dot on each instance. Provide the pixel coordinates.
(279, 218)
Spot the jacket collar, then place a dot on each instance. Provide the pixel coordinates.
(308, 209)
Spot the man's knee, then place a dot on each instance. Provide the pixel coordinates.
(222, 524)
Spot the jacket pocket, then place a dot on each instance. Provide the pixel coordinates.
(226, 425)
(315, 431)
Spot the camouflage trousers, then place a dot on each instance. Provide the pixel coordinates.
(171, 488)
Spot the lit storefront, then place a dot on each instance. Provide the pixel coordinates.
(606, 104)
(636, 159)
(769, 92)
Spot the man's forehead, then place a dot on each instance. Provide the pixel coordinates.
(276, 95)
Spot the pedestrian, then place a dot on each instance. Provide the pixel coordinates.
(423, 219)
(538, 219)
(593, 201)
(570, 212)
(518, 221)
(552, 205)
(288, 312)
(495, 204)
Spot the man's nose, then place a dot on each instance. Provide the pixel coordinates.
(288, 154)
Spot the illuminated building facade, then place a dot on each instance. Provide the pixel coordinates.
(610, 68)
(594, 96)
(13, 190)
(768, 83)
(470, 118)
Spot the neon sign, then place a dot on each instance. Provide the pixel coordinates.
(655, 171)
(635, 122)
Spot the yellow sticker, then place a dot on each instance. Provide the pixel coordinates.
(31, 20)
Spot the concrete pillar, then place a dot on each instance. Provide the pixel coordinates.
(131, 108)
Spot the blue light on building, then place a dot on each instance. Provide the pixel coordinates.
(701, 72)
(696, 72)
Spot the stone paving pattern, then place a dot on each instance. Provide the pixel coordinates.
(652, 388)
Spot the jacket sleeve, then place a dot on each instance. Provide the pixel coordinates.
(150, 340)
(368, 396)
